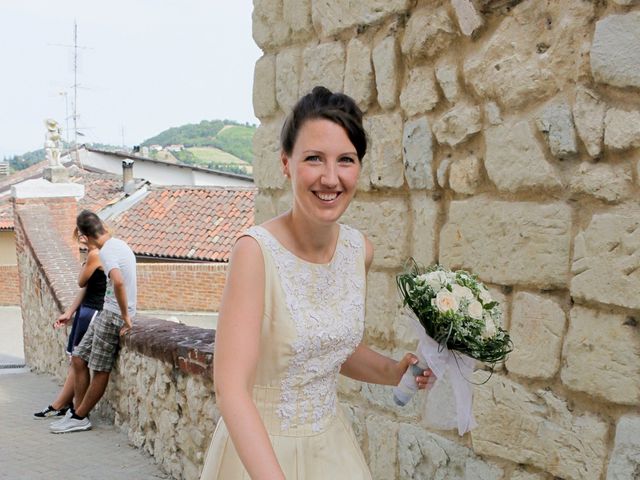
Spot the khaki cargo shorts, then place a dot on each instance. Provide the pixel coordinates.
(99, 346)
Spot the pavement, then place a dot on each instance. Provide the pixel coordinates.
(28, 451)
(11, 346)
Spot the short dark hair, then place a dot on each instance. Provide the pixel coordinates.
(322, 103)
(89, 224)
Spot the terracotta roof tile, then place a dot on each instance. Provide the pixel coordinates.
(196, 223)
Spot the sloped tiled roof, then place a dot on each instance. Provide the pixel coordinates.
(6, 214)
(100, 189)
(195, 223)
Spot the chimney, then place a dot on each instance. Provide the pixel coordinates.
(127, 176)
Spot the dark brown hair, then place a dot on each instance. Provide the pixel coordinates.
(89, 224)
(335, 107)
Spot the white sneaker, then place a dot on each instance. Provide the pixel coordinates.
(72, 425)
(59, 421)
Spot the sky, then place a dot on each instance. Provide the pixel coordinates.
(149, 65)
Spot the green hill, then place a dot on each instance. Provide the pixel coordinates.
(226, 135)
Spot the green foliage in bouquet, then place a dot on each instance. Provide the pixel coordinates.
(456, 310)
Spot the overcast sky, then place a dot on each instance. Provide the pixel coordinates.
(150, 65)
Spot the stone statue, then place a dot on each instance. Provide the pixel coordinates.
(55, 171)
(52, 143)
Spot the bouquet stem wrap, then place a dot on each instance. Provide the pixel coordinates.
(445, 364)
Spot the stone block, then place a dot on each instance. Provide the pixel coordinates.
(425, 213)
(492, 113)
(359, 82)
(288, 67)
(424, 455)
(333, 16)
(264, 208)
(428, 32)
(386, 64)
(323, 64)
(56, 174)
(384, 220)
(269, 28)
(458, 124)
(284, 201)
(508, 67)
(537, 327)
(465, 175)
(588, 114)
(297, 16)
(447, 75)
(267, 170)
(609, 183)
(606, 260)
(596, 342)
(383, 303)
(385, 151)
(383, 443)
(469, 19)
(622, 129)
(615, 57)
(508, 243)
(538, 429)
(417, 153)
(556, 123)
(514, 160)
(264, 87)
(624, 462)
(419, 94)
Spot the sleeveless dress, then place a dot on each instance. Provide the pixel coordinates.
(313, 321)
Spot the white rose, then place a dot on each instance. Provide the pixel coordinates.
(485, 296)
(436, 280)
(462, 292)
(446, 302)
(475, 310)
(489, 328)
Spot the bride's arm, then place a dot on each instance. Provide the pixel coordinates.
(369, 366)
(235, 360)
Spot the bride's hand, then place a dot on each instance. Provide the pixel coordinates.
(424, 380)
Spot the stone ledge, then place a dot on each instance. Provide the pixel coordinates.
(187, 348)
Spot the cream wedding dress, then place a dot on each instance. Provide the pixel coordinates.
(313, 321)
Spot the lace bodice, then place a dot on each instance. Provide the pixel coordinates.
(325, 305)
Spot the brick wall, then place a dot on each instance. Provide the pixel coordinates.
(9, 285)
(184, 287)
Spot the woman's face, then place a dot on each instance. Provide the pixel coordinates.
(324, 170)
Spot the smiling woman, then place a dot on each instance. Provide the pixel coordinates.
(292, 315)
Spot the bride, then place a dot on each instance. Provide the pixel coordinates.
(292, 315)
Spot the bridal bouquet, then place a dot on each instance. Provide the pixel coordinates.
(457, 323)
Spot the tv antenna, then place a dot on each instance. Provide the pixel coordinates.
(75, 87)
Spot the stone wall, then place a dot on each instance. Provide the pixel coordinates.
(161, 390)
(9, 285)
(185, 287)
(504, 139)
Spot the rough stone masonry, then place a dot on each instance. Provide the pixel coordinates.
(505, 139)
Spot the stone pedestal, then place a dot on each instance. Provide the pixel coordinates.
(57, 174)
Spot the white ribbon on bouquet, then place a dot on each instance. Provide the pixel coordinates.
(445, 364)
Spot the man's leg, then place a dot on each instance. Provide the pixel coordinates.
(82, 379)
(94, 393)
(65, 397)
